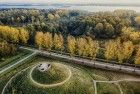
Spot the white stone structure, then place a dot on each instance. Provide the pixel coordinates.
(43, 67)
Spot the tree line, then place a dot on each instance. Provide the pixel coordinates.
(7, 49)
(121, 49)
(48, 41)
(76, 32)
(86, 47)
(14, 35)
(114, 50)
(80, 46)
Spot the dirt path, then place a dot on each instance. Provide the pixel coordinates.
(117, 81)
(121, 92)
(95, 86)
(87, 62)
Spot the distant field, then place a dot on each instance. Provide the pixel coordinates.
(80, 80)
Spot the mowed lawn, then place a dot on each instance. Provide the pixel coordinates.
(8, 61)
(81, 81)
(11, 59)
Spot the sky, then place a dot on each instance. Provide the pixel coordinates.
(71, 1)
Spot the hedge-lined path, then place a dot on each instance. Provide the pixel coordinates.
(87, 62)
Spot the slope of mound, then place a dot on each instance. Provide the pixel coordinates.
(63, 79)
(55, 74)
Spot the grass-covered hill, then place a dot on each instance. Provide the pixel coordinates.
(65, 78)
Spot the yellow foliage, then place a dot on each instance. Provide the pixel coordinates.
(128, 49)
(111, 50)
(87, 47)
(93, 47)
(117, 50)
(9, 33)
(39, 39)
(130, 34)
(24, 35)
(58, 41)
(13, 34)
(81, 42)
(47, 41)
(137, 20)
(71, 45)
(137, 57)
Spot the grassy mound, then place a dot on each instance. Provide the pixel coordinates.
(54, 75)
(79, 83)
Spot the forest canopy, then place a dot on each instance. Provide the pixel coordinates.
(102, 25)
(113, 36)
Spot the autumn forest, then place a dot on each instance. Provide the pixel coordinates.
(63, 51)
(113, 36)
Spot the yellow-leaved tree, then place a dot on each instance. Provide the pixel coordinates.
(93, 47)
(137, 57)
(137, 20)
(71, 45)
(23, 35)
(111, 50)
(39, 39)
(58, 42)
(128, 49)
(129, 33)
(9, 33)
(125, 51)
(81, 42)
(47, 41)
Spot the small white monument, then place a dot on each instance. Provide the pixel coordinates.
(43, 67)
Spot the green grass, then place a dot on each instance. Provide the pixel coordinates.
(107, 88)
(5, 77)
(54, 75)
(81, 81)
(24, 54)
(130, 87)
(7, 60)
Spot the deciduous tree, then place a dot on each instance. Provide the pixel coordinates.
(58, 41)
(39, 39)
(23, 35)
(111, 50)
(47, 41)
(71, 45)
(137, 57)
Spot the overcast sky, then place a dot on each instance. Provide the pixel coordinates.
(71, 1)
